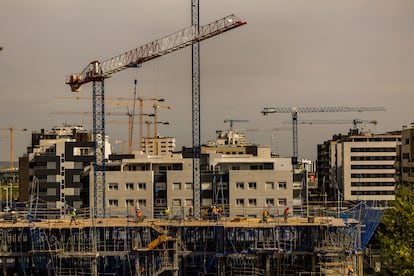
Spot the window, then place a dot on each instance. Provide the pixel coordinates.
(239, 185)
(406, 155)
(160, 186)
(270, 202)
(176, 202)
(252, 185)
(239, 202)
(142, 202)
(252, 202)
(142, 186)
(129, 186)
(269, 186)
(282, 202)
(373, 149)
(129, 203)
(113, 186)
(282, 185)
(160, 202)
(256, 167)
(84, 151)
(76, 178)
(188, 185)
(113, 203)
(176, 186)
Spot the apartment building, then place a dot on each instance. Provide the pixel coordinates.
(405, 157)
(158, 145)
(244, 180)
(242, 183)
(255, 183)
(52, 169)
(359, 166)
(149, 182)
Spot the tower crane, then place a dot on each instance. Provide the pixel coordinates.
(354, 122)
(141, 100)
(128, 113)
(120, 101)
(232, 121)
(155, 106)
(96, 72)
(11, 131)
(296, 110)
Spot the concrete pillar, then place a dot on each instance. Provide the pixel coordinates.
(267, 266)
(313, 263)
(360, 263)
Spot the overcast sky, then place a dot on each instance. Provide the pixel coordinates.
(356, 53)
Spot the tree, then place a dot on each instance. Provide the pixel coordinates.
(396, 235)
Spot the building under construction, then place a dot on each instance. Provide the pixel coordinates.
(180, 245)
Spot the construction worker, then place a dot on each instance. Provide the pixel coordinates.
(210, 212)
(350, 270)
(138, 215)
(286, 214)
(265, 215)
(215, 213)
(190, 212)
(73, 217)
(167, 212)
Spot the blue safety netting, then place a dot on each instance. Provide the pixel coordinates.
(364, 216)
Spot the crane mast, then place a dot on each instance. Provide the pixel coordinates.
(195, 98)
(96, 72)
(11, 140)
(296, 110)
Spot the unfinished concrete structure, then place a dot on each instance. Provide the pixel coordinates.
(183, 246)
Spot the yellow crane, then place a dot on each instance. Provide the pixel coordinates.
(155, 106)
(11, 131)
(128, 113)
(129, 101)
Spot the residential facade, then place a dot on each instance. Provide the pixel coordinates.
(405, 157)
(52, 169)
(158, 145)
(242, 179)
(359, 165)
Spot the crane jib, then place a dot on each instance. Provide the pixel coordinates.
(99, 70)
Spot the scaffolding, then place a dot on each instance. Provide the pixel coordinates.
(231, 246)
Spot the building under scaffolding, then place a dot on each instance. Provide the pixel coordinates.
(183, 246)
